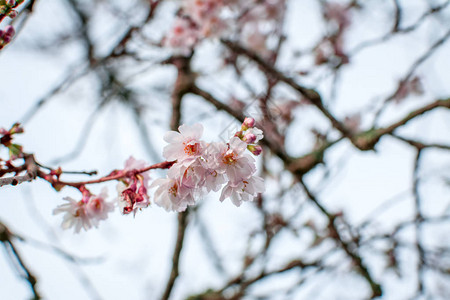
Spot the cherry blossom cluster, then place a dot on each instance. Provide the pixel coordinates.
(6, 36)
(85, 213)
(132, 190)
(7, 7)
(200, 19)
(203, 167)
(331, 48)
(195, 168)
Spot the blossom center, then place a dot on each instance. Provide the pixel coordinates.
(190, 149)
(174, 189)
(229, 158)
(245, 185)
(96, 205)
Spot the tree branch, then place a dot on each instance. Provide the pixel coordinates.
(6, 239)
(312, 95)
(185, 80)
(32, 171)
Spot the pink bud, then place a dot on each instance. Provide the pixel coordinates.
(8, 34)
(249, 138)
(7, 38)
(16, 128)
(11, 2)
(255, 149)
(249, 122)
(9, 30)
(12, 14)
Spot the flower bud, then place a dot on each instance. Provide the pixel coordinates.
(9, 30)
(6, 38)
(10, 2)
(248, 123)
(12, 14)
(16, 128)
(255, 149)
(249, 138)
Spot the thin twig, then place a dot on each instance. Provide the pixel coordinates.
(6, 238)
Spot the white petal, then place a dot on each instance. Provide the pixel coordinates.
(236, 198)
(173, 152)
(226, 191)
(104, 193)
(257, 132)
(173, 137)
(237, 145)
(194, 131)
(258, 184)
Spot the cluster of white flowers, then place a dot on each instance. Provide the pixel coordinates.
(201, 167)
(198, 168)
(85, 213)
(199, 19)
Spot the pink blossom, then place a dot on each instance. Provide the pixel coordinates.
(243, 190)
(192, 174)
(214, 180)
(202, 167)
(75, 215)
(172, 195)
(231, 159)
(84, 213)
(184, 144)
(253, 135)
(183, 36)
(133, 164)
(200, 10)
(97, 208)
(206, 14)
(200, 19)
